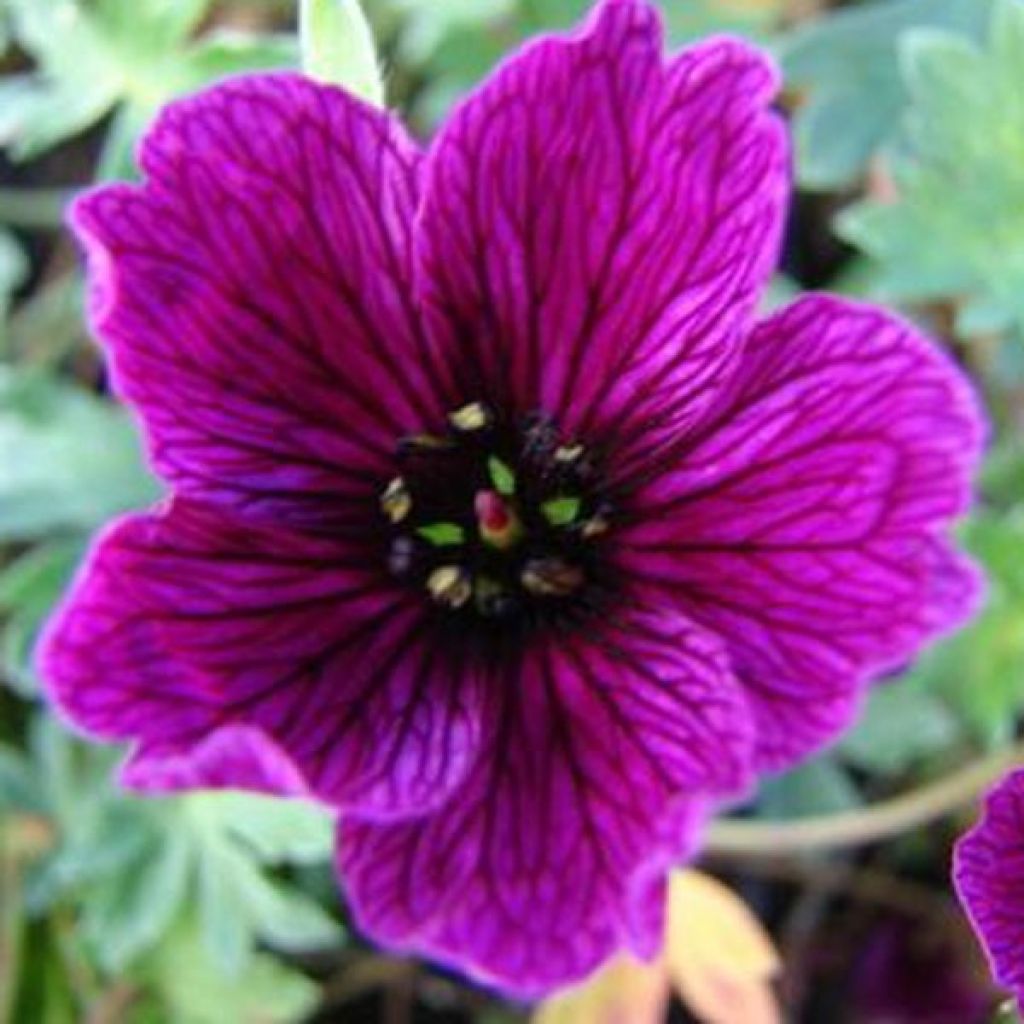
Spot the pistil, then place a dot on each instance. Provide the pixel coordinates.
(497, 522)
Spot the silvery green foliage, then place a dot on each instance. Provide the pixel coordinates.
(122, 56)
(955, 228)
(845, 70)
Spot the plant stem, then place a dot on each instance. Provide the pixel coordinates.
(867, 825)
(34, 208)
(10, 925)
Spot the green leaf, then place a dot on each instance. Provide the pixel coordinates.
(847, 67)
(195, 992)
(281, 917)
(35, 114)
(956, 229)
(156, 24)
(128, 914)
(29, 588)
(68, 459)
(979, 672)
(902, 725)
(275, 830)
(561, 511)
(224, 916)
(130, 56)
(224, 52)
(237, 903)
(821, 786)
(442, 535)
(19, 789)
(13, 268)
(425, 27)
(338, 47)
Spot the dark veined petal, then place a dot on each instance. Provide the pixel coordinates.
(805, 526)
(255, 295)
(989, 876)
(551, 854)
(229, 757)
(210, 643)
(597, 225)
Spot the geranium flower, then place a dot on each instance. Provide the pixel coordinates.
(989, 877)
(496, 522)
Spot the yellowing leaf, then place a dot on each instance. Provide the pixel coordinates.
(625, 992)
(718, 955)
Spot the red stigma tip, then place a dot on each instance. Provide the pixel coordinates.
(492, 512)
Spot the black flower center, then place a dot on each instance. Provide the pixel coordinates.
(499, 521)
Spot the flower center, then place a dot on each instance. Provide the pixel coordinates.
(498, 519)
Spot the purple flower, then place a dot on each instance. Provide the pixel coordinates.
(495, 521)
(989, 876)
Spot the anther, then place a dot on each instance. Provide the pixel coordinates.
(396, 501)
(596, 526)
(450, 586)
(551, 577)
(471, 418)
(568, 454)
(425, 444)
(402, 556)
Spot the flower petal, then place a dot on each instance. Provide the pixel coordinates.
(597, 226)
(256, 299)
(989, 875)
(552, 854)
(805, 525)
(230, 757)
(237, 654)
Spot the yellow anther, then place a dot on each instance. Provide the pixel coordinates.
(475, 416)
(569, 453)
(450, 585)
(551, 577)
(426, 443)
(396, 501)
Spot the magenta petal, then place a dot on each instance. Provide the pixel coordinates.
(597, 224)
(805, 527)
(551, 855)
(230, 757)
(256, 295)
(989, 877)
(211, 644)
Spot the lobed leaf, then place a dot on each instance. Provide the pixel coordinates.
(956, 227)
(846, 69)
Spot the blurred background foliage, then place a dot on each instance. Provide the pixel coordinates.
(908, 118)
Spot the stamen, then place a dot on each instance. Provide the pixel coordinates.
(402, 556)
(552, 577)
(494, 517)
(450, 586)
(396, 501)
(472, 417)
(497, 521)
(596, 527)
(426, 443)
(568, 454)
